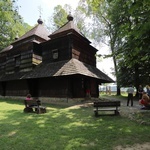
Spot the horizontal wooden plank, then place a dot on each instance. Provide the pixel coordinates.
(106, 104)
(105, 109)
(38, 106)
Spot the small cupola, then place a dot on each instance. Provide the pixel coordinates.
(17, 37)
(40, 21)
(70, 17)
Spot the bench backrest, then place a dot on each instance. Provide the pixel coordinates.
(106, 104)
(30, 102)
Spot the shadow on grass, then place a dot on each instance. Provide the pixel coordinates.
(55, 105)
(66, 128)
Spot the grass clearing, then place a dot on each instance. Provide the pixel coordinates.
(66, 128)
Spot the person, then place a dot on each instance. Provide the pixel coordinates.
(140, 91)
(148, 90)
(130, 92)
(28, 97)
(145, 101)
(88, 93)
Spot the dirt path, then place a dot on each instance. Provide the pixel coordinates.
(145, 146)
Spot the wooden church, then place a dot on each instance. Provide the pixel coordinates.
(58, 66)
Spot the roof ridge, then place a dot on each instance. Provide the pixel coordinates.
(73, 59)
(70, 25)
(35, 31)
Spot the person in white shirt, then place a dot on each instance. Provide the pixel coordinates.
(130, 92)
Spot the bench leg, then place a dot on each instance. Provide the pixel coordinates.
(27, 109)
(116, 112)
(38, 111)
(44, 110)
(96, 113)
(41, 110)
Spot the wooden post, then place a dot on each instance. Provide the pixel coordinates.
(109, 90)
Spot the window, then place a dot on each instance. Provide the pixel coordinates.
(17, 61)
(55, 53)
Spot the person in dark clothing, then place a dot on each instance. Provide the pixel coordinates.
(148, 90)
(130, 92)
(140, 91)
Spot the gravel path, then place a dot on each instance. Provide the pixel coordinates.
(124, 109)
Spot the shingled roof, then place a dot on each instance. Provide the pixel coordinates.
(39, 30)
(7, 48)
(14, 76)
(61, 68)
(67, 28)
(68, 67)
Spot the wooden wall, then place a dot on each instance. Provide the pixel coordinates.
(94, 88)
(53, 87)
(59, 87)
(16, 88)
(69, 47)
(77, 88)
(83, 52)
(61, 45)
(70, 86)
(2, 64)
(21, 58)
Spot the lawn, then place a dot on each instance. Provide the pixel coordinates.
(65, 128)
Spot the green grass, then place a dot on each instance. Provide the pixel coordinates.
(65, 128)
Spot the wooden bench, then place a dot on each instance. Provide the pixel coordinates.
(106, 106)
(34, 106)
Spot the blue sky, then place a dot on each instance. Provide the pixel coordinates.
(29, 9)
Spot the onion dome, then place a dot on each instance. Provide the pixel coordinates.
(17, 37)
(40, 21)
(70, 17)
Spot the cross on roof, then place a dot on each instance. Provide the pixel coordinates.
(40, 10)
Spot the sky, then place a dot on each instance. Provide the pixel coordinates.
(29, 10)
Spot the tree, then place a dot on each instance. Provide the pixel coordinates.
(59, 17)
(134, 53)
(11, 24)
(102, 28)
(126, 25)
